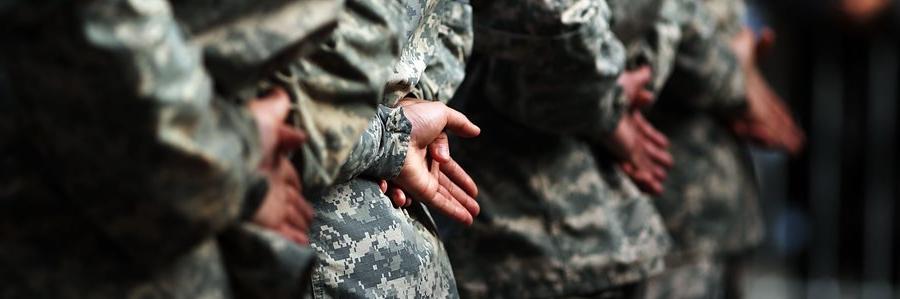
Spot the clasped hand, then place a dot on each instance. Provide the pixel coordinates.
(429, 174)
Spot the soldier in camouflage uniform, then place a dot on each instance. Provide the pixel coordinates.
(557, 220)
(129, 166)
(367, 248)
(710, 203)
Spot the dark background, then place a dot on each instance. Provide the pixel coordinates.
(830, 212)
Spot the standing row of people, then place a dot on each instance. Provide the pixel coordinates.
(291, 148)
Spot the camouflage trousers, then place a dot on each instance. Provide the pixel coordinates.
(369, 249)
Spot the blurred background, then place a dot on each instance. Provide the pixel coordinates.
(831, 212)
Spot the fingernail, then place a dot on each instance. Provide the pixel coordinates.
(445, 151)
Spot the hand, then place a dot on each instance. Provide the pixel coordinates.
(634, 85)
(397, 196)
(768, 121)
(643, 152)
(429, 174)
(283, 209)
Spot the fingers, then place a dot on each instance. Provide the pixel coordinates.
(398, 197)
(425, 187)
(383, 186)
(459, 177)
(298, 212)
(440, 148)
(289, 138)
(659, 174)
(306, 209)
(643, 179)
(451, 208)
(409, 200)
(658, 156)
(648, 184)
(288, 174)
(650, 132)
(459, 124)
(643, 98)
(418, 180)
(459, 195)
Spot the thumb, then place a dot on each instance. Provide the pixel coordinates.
(642, 99)
(459, 124)
(289, 138)
(273, 106)
(440, 148)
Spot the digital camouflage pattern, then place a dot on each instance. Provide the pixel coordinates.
(651, 31)
(127, 167)
(516, 40)
(710, 202)
(555, 221)
(349, 67)
(707, 76)
(368, 248)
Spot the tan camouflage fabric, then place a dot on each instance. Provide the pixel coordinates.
(710, 204)
(557, 220)
(368, 248)
(128, 168)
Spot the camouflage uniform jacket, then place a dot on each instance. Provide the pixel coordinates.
(368, 248)
(128, 168)
(710, 203)
(651, 32)
(555, 220)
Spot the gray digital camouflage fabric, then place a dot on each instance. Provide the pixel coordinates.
(128, 168)
(368, 248)
(707, 75)
(556, 221)
(651, 32)
(710, 203)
